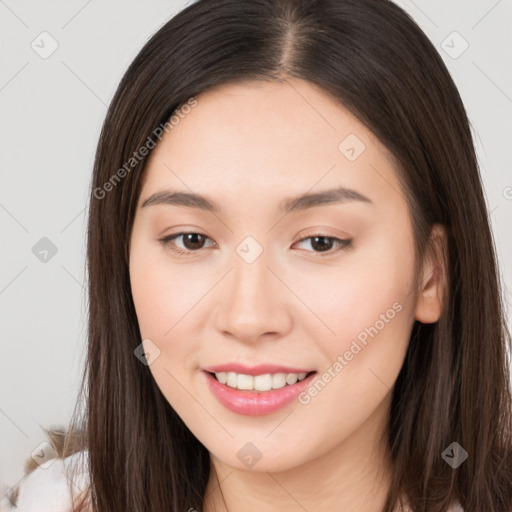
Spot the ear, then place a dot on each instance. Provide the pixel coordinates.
(433, 280)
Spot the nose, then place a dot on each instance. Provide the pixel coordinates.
(253, 303)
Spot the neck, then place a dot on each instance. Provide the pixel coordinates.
(353, 476)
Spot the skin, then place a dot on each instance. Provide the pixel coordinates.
(249, 147)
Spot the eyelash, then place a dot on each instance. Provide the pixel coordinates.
(342, 244)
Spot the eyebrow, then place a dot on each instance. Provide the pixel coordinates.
(302, 202)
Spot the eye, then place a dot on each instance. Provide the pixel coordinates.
(323, 243)
(192, 242)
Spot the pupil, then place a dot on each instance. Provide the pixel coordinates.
(322, 246)
(193, 238)
(195, 241)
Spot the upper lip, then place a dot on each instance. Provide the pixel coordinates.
(260, 369)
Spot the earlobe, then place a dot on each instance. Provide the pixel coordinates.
(430, 297)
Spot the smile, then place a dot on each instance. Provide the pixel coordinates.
(257, 394)
(264, 382)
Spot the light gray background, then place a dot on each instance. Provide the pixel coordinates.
(51, 113)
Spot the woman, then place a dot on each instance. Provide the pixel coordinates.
(294, 296)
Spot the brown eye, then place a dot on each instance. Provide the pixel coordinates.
(191, 242)
(324, 244)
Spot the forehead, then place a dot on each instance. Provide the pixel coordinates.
(269, 136)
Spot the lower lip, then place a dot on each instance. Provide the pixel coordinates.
(256, 403)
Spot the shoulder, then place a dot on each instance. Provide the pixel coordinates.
(48, 487)
(455, 507)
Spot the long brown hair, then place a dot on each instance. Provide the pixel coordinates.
(454, 385)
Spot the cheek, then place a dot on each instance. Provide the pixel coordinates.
(162, 293)
(368, 304)
(162, 297)
(367, 287)
(167, 299)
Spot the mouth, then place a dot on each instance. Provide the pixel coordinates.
(257, 394)
(259, 383)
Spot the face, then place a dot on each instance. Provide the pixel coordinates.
(303, 308)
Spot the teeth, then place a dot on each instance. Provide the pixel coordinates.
(245, 381)
(278, 380)
(264, 382)
(232, 380)
(291, 378)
